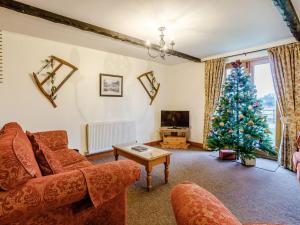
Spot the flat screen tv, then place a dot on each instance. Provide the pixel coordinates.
(174, 118)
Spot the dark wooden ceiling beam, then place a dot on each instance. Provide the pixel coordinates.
(56, 18)
(289, 15)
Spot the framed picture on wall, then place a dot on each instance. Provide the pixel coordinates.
(111, 85)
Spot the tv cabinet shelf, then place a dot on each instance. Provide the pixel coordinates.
(174, 138)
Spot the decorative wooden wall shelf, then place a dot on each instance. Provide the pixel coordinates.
(55, 64)
(150, 84)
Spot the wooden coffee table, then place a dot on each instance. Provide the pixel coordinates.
(149, 158)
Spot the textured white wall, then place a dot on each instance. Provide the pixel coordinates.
(78, 100)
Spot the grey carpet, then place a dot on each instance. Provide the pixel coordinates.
(252, 194)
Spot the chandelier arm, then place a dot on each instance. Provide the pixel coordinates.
(163, 54)
(170, 50)
(169, 53)
(152, 56)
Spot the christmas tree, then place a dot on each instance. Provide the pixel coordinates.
(238, 122)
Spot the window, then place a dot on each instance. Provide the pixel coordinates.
(262, 78)
(260, 71)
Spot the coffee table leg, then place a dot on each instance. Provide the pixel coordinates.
(167, 163)
(116, 154)
(149, 177)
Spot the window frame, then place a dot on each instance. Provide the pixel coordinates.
(249, 68)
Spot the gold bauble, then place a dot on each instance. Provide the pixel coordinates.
(250, 123)
(267, 131)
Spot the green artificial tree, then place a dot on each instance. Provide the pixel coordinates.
(238, 122)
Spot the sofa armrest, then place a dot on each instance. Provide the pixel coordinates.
(53, 191)
(194, 205)
(43, 193)
(296, 159)
(107, 180)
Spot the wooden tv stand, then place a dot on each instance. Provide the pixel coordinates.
(174, 137)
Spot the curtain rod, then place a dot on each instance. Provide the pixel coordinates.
(245, 53)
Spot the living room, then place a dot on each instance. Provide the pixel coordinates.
(102, 77)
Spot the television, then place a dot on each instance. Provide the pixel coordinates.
(174, 118)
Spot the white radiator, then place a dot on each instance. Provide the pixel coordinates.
(102, 135)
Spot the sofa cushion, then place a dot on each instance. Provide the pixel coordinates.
(12, 171)
(44, 156)
(24, 152)
(12, 125)
(54, 140)
(18, 163)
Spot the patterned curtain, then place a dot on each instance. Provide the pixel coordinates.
(285, 65)
(214, 71)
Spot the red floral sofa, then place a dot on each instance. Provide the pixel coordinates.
(194, 205)
(296, 158)
(44, 182)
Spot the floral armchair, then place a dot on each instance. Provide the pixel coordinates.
(296, 158)
(70, 191)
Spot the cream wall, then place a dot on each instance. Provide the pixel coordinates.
(78, 100)
(186, 88)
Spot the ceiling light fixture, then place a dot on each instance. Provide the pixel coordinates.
(163, 49)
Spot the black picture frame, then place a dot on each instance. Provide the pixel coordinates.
(114, 85)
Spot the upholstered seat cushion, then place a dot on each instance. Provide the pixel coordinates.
(68, 157)
(17, 161)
